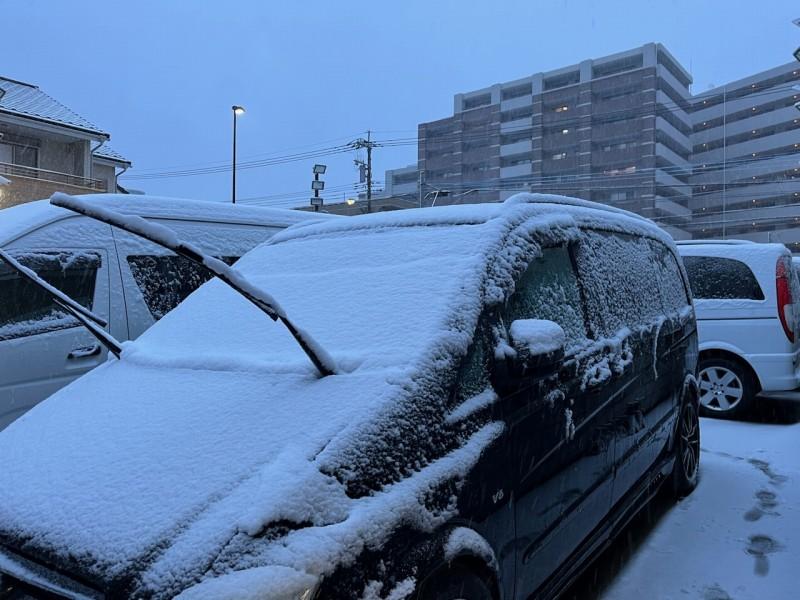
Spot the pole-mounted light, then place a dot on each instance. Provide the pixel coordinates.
(317, 185)
(237, 110)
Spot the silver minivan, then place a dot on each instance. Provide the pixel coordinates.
(746, 296)
(129, 282)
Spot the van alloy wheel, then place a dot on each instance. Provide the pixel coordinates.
(721, 389)
(690, 442)
(687, 451)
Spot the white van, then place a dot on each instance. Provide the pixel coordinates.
(128, 281)
(745, 297)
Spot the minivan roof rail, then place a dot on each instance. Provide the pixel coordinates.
(713, 242)
(87, 318)
(166, 237)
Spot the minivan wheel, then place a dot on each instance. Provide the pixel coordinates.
(726, 388)
(455, 582)
(687, 452)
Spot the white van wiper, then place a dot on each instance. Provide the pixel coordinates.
(163, 236)
(87, 318)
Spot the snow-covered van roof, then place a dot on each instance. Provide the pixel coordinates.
(16, 221)
(175, 463)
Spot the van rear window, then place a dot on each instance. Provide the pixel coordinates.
(721, 278)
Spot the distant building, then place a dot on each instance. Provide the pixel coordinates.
(614, 129)
(625, 130)
(45, 147)
(746, 159)
(402, 182)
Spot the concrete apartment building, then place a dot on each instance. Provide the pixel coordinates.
(625, 130)
(45, 147)
(746, 159)
(614, 129)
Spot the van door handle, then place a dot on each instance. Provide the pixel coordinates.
(84, 352)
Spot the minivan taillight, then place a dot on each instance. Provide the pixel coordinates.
(783, 270)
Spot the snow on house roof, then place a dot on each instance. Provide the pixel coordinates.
(27, 100)
(108, 153)
(217, 404)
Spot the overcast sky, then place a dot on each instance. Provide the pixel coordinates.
(161, 76)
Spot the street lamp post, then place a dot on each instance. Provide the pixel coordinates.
(237, 110)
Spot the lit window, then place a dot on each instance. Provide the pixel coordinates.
(562, 108)
(559, 156)
(565, 131)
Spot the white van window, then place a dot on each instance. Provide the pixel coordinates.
(166, 280)
(721, 278)
(549, 290)
(25, 309)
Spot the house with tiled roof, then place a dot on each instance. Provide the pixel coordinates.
(46, 147)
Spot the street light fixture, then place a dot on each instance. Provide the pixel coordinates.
(237, 110)
(317, 185)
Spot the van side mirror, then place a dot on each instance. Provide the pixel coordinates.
(535, 348)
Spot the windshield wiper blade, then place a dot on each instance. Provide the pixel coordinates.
(87, 318)
(165, 237)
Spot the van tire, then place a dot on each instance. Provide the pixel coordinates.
(727, 388)
(455, 582)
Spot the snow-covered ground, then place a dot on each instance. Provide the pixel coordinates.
(737, 536)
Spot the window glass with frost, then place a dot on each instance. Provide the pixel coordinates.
(549, 290)
(26, 309)
(712, 277)
(166, 280)
(670, 283)
(620, 280)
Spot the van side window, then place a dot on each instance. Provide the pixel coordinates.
(670, 284)
(549, 290)
(25, 309)
(620, 280)
(166, 280)
(721, 278)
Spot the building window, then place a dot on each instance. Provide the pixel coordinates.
(476, 101)
(24, 156)
(562, 108)
(621, 171)
(559, 156)
(618, 146)
(516, 92)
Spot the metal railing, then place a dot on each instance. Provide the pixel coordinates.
(52, 176)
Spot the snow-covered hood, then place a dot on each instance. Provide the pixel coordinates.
(214, 434)
(99, 480)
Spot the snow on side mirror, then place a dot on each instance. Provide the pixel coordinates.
(529, 348)
(538, 344)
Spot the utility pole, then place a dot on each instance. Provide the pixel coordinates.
(419, 186)
(369, 145)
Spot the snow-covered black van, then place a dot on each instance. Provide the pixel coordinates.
(459, 402)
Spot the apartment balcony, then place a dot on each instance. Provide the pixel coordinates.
(28, 183)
